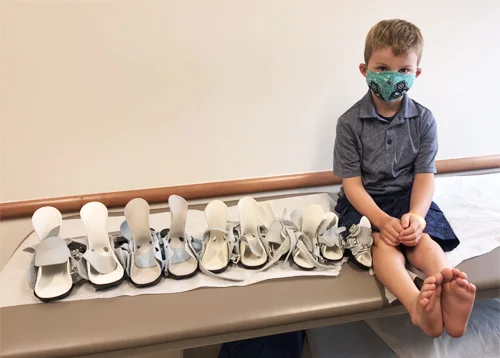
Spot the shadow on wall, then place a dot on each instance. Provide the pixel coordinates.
(325, 133)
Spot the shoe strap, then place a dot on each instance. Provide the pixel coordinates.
(355, 246)
(273, 235)
(310, 258)
(103, 263)
(51, 251)
(255, 249)
(331, 237)
(363, 234)
(78, 265)
(180, 254)
(231, 235)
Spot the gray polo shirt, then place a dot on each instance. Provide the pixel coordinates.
(385, 154)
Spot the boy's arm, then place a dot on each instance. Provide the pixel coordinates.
(422, 193)
(421, 198)
(423, 182)
(356, 193)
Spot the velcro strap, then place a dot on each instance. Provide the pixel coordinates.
(196, 245)
(306, 241)
(354, 230)
(123, 255)
(274, 233)
(125, 230)
(358, 250)
(102, 263)
(254, 249)
(51, 251)
(331, 237)
(308, 256)
(329, 241)
(324, 225)
(289, 224)
(365, 236)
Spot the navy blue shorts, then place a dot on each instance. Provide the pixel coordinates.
(396, 205)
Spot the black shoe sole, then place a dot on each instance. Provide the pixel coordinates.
(353, 259)
(219, 270)
(109, 285)
(51, 299)
(171, 275)
(150, 284)
(252, 267)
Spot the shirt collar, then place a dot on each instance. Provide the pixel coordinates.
(367, 109)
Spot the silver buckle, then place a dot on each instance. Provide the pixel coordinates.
(235, 259)
(354, 230)
(74, 274)
(76, 254)
(360, 249)
(351, 242)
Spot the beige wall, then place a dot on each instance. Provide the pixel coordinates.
(113, 95)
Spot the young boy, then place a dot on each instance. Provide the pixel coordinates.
(385, 149)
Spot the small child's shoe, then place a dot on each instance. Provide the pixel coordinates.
(359, 242)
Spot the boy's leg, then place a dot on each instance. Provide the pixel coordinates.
(458, 294)
(428, 256)
(424, 307)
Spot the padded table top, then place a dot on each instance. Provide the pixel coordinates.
(208, 315)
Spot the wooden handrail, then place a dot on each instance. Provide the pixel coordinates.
(217, 189)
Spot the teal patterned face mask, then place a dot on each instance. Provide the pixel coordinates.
(389, 85)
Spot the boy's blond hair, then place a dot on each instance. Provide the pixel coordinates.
(400, 35)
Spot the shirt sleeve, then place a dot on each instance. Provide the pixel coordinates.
(346, 157)
(425, 162)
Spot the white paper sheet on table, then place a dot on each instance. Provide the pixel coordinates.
(15, 290)
(471, 204)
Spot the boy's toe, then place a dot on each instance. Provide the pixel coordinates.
(428, 287)
(424, 302)
(430, 280)
(439, 278)
(426, 294)
(447, 274)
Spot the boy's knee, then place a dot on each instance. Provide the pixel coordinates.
(425, 241)
(380, 247)
(378, 242)
(425, 237)
(376, 238)
(425, 244)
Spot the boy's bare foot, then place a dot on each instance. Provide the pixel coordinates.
(427, 312)
(457, 302)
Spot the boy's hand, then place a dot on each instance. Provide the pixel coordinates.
(412, 232)
(390, 230)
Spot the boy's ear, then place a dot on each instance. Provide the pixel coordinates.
(362, 69)
(419, 71)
